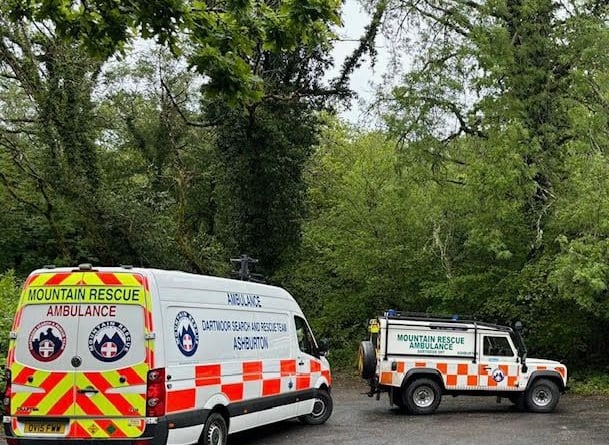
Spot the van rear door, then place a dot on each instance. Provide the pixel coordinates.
(42, 389)
(88, 354)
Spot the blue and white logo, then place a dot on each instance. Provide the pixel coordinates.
(47, 341)
(109, 341)
(186, 333)
(498, 375)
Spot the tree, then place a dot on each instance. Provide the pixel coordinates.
(504, 107)
(46, 132)
(161, 164)
(223, 40)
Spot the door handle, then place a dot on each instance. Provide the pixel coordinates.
(301, 362)
(488, 368)
(88, 390)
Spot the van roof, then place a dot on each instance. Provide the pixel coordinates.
(183, 280)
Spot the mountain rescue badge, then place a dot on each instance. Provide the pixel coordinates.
(109, 341)
(186, 333)
(47, 341)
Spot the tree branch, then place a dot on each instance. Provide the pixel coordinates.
(181, 112)
(366, 46)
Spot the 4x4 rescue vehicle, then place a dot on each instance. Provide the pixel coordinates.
(143, 357)
(417, 358)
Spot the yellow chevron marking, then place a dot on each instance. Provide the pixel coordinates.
(55, 394)
(16, 369)
(137, 401)
(105, 428)
(99, 400)
(72, 280)
(41, 279)
(128, 279)
(93, 428)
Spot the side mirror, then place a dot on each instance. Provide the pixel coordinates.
(323, 346)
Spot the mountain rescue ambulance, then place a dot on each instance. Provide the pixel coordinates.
(145, 357)
(417, 358)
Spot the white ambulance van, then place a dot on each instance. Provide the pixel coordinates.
(144, 357)
(417, 358)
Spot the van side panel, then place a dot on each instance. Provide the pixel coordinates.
(236, 348)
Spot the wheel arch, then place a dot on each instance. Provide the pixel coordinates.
(428, 373)
(322, 383)
(219, 409)
(215, 401)
(550, 375)
(218, 404)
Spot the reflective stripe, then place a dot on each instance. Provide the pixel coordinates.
(303, 382)
(288, 367)
(57, 279)
(54, 387)
(271, 387)
(233, 391)
(181, 400)
(207, 375)
(252, 371)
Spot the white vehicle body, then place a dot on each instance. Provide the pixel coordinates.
(455, 357)
(147, 357)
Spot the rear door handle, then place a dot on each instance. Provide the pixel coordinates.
(88, 390)
(488, 368)
(301, 362)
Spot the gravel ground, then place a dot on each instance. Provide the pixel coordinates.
(360, 420)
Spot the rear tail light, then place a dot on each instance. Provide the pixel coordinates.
(6, 400)
(155, 393)
(12, 441)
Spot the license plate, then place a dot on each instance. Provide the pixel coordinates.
(45, 428)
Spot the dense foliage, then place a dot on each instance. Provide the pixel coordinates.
(484, 193)
(491, 200)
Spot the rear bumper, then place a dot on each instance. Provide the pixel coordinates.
(155, 434)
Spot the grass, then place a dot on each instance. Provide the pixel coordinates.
(590, 384)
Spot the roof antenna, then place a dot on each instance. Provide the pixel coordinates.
(244, 273)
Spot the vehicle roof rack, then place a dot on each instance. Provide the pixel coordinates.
(456, 319)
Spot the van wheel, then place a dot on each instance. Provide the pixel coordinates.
(366, 360)
(542, 396)
(215, 431)
(422, 396)
(322, 409)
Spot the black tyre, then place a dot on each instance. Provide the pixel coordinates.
(542, 396)
(322, 409)
(215, 431)
(422, 396)
(366, 360)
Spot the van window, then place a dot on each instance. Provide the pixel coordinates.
(305, 338)
(497, 346)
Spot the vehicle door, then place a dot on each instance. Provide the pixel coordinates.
(308, 364)
(112, 359)
(498, 368)
(44, 341)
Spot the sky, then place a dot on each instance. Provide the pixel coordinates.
(363, 79)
